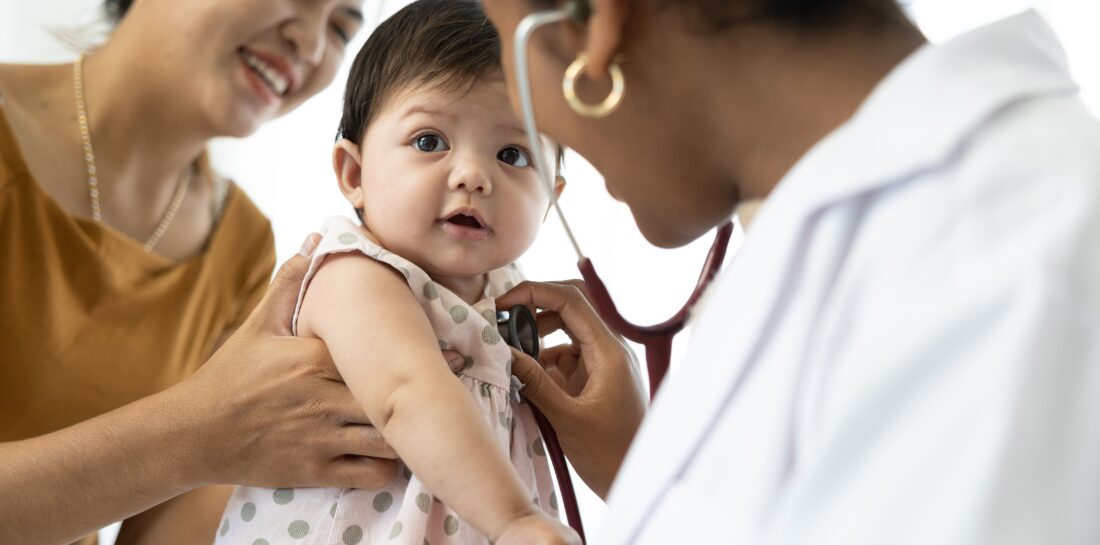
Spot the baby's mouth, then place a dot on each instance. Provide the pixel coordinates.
(465, 221)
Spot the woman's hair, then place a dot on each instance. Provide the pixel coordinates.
(442, 43)
(116, 9)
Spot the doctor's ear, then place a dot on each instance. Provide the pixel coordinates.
(604, 24)
(348, 167)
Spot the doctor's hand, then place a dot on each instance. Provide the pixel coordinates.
(590, 389)
(269, 409)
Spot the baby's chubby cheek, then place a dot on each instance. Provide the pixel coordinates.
(522, 236)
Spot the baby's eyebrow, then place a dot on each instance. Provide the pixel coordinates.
(506, 127)
(427, 111)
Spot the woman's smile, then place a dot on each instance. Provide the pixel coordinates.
(269, 76)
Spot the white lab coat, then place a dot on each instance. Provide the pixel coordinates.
(907, 348)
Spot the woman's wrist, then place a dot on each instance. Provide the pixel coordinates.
(186, 436)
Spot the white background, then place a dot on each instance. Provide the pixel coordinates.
(285, 166)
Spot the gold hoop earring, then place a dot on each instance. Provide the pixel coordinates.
(584, 109)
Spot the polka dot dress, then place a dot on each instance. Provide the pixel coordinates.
(405, 511)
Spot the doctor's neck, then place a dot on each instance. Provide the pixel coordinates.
(775, 89)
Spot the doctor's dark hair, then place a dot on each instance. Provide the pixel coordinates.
(719, 15)
(801, 14)
(444, 43)
(116, 9)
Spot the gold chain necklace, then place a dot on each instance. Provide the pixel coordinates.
(93, 178)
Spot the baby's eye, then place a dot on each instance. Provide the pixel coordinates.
(515, 157)
(429, 143)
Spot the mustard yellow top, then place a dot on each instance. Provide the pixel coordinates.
(89, 321)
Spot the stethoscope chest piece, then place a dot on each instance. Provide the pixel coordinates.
(518, 328)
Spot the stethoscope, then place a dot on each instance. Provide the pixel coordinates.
(656, 338)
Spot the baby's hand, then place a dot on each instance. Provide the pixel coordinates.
(538, 529)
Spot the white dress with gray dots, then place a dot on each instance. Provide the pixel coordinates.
(404, 512)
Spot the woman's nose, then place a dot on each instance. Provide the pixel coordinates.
(306, 37)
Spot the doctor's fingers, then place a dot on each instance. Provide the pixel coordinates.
(563, 364)
(559, 362)
(576, 283)
(565, 357)
(548, 321)
(578, 319)
(541, 389)
(553, 320)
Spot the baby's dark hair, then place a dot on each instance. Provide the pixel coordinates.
(444, 43)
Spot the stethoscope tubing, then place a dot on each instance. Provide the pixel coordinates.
(656, 338)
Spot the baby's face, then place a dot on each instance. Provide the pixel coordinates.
(448, 181)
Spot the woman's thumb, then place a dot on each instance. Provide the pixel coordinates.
(277, 307)
(538, 387)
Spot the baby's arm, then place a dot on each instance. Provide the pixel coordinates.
(388, 355)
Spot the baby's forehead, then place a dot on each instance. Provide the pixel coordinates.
(483, 100)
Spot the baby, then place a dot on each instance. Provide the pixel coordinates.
(436, 166)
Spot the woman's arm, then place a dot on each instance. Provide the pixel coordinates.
(76, 480)
(388, 354)
(267, 410)
(187, 519)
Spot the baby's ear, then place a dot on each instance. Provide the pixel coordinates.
(349, 171)
(559, 187)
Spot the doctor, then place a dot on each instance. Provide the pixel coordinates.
(907, 348)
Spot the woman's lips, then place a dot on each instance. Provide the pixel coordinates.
(273, 69)
(259, 87)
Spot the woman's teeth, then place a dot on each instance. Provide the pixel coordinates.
(275, 81)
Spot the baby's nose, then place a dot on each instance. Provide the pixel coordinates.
(472, 179)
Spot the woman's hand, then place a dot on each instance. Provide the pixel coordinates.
(269, 409)
(589, 389)
(538, 529)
